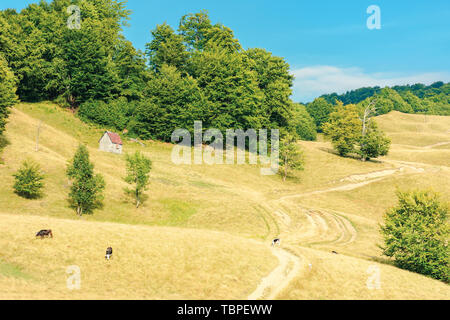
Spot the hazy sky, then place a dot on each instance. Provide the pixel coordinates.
(327, 43)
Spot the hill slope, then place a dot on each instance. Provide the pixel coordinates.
(205, 231)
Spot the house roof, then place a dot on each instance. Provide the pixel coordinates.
(114, 137)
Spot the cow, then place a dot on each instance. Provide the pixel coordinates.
(109, 252)
(44, 233)
(276, 241)
(334, 252)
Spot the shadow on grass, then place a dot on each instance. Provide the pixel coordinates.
(352, 156)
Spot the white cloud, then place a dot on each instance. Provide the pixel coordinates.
(311, 82)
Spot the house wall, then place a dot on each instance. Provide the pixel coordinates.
(106, 145)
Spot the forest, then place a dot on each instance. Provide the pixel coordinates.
(198, 71)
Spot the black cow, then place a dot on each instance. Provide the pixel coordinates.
(44, 233)
(276, 242)
(109, 252)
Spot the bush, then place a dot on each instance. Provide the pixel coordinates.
(416, 234)
(28, 181)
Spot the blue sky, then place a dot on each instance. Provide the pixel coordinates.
(326, 43)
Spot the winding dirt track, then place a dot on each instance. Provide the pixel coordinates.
(279, 278)
(319, 219)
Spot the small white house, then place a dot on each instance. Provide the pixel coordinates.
(111, 142)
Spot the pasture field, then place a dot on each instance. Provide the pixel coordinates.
(204, 232)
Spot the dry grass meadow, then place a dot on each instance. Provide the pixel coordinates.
(204, 232)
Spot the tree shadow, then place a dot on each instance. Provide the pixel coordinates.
(352, 156)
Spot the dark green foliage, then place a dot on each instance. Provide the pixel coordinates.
(320, 110)
(275, 82)
(166, 48)
(416, 234)
(29, 181)
(114, 114)
(175, 102)
(87, 187)
(418, 98)
(233, 98)
(303, 124)
(199, 34)
(7, 92)
(138, 169)
(52, 61)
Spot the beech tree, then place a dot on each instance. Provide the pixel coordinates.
(416, 234)
(344, 128)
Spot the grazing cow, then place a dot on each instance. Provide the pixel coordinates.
(276, 242)
(334, 252)
(44, 233)
(108, 253)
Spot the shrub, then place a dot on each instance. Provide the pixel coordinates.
(28, 181)
(416, 234)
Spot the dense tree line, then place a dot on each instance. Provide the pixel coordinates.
(198, 72)
(418, 98)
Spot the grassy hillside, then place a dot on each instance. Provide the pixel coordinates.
(205, 231)
(148, 263)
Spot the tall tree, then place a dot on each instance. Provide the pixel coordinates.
(166, 48)
(344, 128)
(233, 98)
(275, 82)
(138, 169)
(7, 92)
(303, 124)
(320, 110)
(87, 187)
(174, 102)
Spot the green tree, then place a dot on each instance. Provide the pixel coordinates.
(374, 144)
(275, 81)
(320, 110)
(303, 124)
(131, 69)
(138, 169)
(232, 96)
(87, 187)
(7, 92)
(291, 156)
(344, 128)
(167, 47)
(199, 33)
(174, 102)
(396, 100)
(29, 181)
(416, 234)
